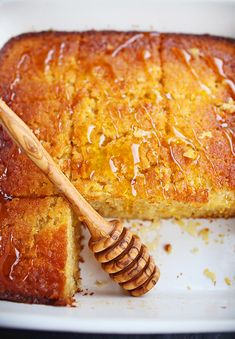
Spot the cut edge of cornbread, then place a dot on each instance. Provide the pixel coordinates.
(220, 205)
(72, 270)
(39, 251)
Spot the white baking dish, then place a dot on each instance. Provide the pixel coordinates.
(184, 300)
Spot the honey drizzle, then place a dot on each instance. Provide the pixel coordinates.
(154, 132)
(126, 44)
(203, 150)
(102, 140)
(61, 53)
(186, 57)
(114, 124)
(227, 131)
(89, 131)
(174, 159)
(48, 59)
(8, 260)
(230, 142)
(136, 161)
(17, 258)
(217, 65)
(4, 195)
(17, 78)
(231, 85)
(10, 255)
(113, 168)
(183, 138)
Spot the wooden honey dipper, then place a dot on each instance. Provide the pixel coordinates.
(120, 252)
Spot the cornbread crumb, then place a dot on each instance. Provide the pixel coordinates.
(148, 233)
(205, 134)
(195, 250)
(220, 238)
(168, 248)
(101, 283)
(228, 107)
(204, 234)
(189, 226)
(179, 222)
(210, 275)
(190, 153)
(152, 245)
(227, 281)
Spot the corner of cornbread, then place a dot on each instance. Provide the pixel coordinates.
(38, 253)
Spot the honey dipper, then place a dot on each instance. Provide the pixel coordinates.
(120, 252)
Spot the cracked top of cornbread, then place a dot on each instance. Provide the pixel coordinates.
(134, 116)
(35, 82)
(154, 118)
(202, 108)
(119, 120)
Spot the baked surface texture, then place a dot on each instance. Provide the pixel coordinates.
(38, 258)
(153, 125)
(142, 123)
(38, 89)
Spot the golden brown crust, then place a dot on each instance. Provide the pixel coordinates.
(119, 116)
(33, 251)
(19, 297)
(199, 75)
(138, 102)
(143, 123)
(35, 82)
(126, 93)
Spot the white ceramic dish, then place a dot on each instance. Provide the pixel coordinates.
(184, 300)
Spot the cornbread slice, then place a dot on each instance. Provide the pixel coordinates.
(37, 72)
(153, 125)
(38, 251)
(119, 157)
(198, 78)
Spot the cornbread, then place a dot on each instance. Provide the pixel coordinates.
(153, 125)
(38, 89)
(38, 254)
(142, 124)
(201, 119)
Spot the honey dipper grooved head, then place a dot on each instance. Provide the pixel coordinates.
(126, 259)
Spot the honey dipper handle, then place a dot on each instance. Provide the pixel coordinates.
(27, 141)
